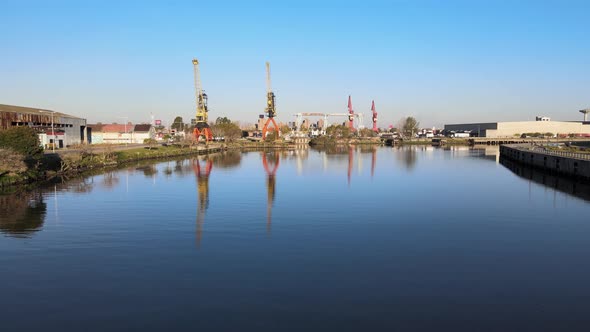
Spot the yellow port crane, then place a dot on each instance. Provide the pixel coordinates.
(201, 126)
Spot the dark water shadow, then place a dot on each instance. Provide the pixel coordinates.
(22, 214)
(576, 187)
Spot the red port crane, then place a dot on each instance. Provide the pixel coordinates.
(375, 129)
(350, 114)
(270, 106)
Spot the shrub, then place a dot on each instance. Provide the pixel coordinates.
(23, 140)
(12, 162)
(271, 136)
(150, 142)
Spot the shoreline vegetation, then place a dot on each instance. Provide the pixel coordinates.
(24, 163)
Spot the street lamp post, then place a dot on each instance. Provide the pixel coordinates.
(52, 129)
(53, 133)
(125, 117)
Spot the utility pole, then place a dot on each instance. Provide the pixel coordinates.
(53, 133)
(52, 129)
(125, 117)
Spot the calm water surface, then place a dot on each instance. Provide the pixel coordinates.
(350, 239)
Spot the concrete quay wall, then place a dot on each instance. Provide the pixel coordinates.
(567, 163)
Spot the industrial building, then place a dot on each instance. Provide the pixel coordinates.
(53, 127)
(510, 129)
(121, 133)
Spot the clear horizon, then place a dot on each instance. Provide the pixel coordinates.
(457, 62)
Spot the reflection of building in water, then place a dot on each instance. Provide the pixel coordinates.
(490, 152)
(350, 161)
(301, 153)
(487, 152)
(576, 187)
(110, 180)
(227, 160)
(366, 149)
(149, 171)
(80, 185)
(22, 214)
(340, 156)
(408, 156)
(179, 169)
(202, 172)
(270, 161)
(373, 160)
(344, 158)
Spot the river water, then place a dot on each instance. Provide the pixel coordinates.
(415, 238)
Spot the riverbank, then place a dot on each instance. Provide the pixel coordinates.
(68, 163)
(87, 160)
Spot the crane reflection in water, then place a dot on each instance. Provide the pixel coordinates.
(202, 169)
(270, 162)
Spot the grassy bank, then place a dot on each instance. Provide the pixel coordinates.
(326, 141)
(428, 141)
(278, 144)
(163, 152)
(71, 163)
(80, 161)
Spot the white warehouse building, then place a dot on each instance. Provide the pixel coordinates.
(510, 129)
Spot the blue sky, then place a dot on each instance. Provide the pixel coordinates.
(440, 61)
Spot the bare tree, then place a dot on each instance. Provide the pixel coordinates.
(410, 126)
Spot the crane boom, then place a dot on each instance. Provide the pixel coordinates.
(199, 94)
(201, 125)
(270, 96)
(197, 77)
(268, 83)
(375, 129)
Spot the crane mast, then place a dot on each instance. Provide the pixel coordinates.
(202, 127)
(270, 96)
(350, 114)
(375, 129)
(270, 105)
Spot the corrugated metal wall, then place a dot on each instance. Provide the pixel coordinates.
(7, 118)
